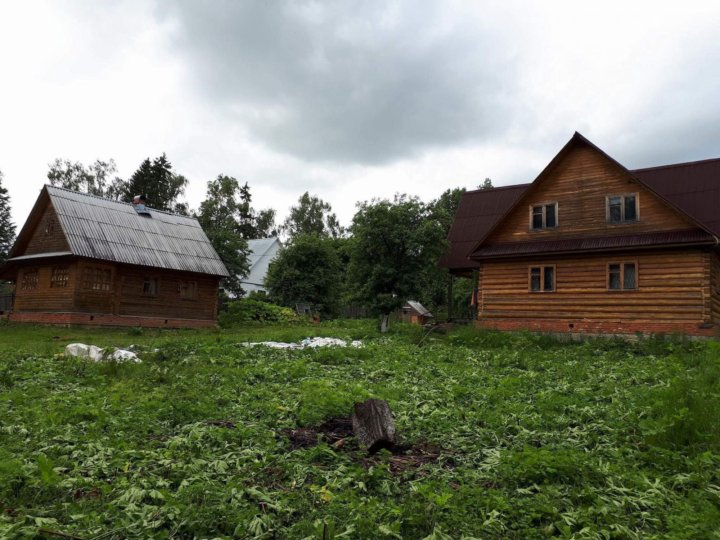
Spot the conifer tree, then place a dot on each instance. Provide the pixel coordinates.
(156, 180)
(7, 228)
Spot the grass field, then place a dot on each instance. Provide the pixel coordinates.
(503, 436)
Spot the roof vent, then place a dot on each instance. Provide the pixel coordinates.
(139, 205)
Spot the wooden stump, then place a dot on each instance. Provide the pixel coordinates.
(373, 424)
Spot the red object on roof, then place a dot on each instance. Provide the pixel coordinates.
(693, 188)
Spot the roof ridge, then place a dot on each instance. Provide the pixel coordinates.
(93, 196)
(671, 165)
(498, 188)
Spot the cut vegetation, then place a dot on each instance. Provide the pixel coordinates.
(497, 436)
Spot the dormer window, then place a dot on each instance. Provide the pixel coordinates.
(622, 208)
(543, 216)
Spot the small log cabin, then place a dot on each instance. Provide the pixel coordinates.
(592, 247)
(81, 259)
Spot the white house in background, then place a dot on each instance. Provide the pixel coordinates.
(262, 252)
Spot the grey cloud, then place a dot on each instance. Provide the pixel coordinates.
(347, 82)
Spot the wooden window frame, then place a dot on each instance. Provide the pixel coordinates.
(156, 286)
(622, 221)
(59, 277)
(542, 268)
(94, 279)
(185, 285)
(30, 284)
(622, 276)
(544, 206)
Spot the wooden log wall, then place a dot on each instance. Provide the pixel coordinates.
(670, 288)
(167, 302)
(580, 184)
(715, 288)
(45, 297)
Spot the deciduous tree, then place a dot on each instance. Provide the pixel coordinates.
(307, 271)
(312, 215)
(96, 179)
(395, 244)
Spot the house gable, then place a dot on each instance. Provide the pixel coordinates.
(579, 181)
(43, 232)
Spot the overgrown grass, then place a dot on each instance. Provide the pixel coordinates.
(538, 437)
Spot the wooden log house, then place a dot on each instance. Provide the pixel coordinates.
(592, 247)
(81, 259)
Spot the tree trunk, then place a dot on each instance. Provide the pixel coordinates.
(373, 424)
(384, 322)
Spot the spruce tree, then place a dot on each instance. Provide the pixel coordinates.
(158, 182)
(7, 228)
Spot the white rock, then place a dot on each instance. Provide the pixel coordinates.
(84, 351)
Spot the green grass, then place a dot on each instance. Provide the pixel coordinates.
(538, 437)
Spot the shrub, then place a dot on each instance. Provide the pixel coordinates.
(247, 310)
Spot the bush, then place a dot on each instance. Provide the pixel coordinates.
(247, 310)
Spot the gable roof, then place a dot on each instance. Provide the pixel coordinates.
(692, 188)
(110, 230)
(261, 253)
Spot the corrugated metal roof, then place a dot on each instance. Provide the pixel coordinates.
(598, 243)
(110, 230)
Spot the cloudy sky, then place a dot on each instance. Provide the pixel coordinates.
(352, 100)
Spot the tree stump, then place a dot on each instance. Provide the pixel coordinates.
(373, 424)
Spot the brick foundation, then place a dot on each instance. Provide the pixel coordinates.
(590, 327)
(99, 319)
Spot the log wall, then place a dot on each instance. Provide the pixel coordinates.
(45, 297)
(580, 184)
(673, 289)
(715, 288)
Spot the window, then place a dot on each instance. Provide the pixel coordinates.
(622, 208)
(622, 276)
(542, 278)
(59, 277)
(543, 216)
(188, 290)
(97, 279)
(150, 286)
(29, 280)
(50, 227)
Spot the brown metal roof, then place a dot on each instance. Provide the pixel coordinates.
(598, 243)
(109, 230)
(692, 188)
(478, 211)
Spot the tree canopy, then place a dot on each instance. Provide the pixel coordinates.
(95, 179)
(394, 246)
(7, 228)
(312, 215)
(157, 180)
(307, 271)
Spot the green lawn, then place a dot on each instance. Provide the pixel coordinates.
(504, 436)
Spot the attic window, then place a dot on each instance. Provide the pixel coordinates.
(543, 216)
(50, 227)
(622, 208)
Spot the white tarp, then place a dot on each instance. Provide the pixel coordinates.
(307, 343)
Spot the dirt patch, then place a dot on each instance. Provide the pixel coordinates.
(338, 433)
(331, 431)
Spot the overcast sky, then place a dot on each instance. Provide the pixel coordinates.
(352, 100)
